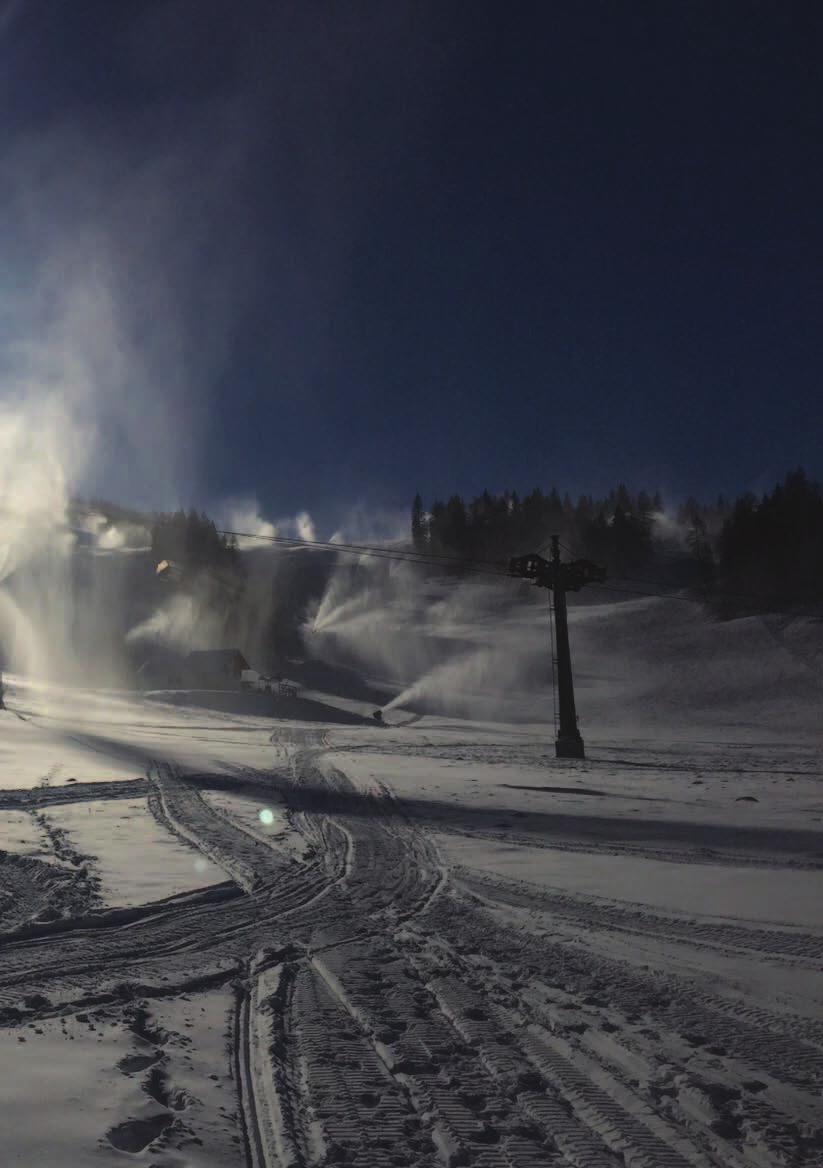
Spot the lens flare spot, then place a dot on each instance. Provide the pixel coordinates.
(266, 817)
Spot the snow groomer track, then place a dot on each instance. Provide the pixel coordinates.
(391, 1008)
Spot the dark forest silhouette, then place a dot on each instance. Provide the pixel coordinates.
(191, 539)
(752, 553)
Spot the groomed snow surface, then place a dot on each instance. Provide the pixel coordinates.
(229, 939)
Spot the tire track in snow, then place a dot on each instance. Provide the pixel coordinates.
(390, 1018)
(506, 960)
(792, 944)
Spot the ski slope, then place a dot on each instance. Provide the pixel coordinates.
(228, 939)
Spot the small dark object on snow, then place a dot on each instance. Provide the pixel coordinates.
(746, 799)
(378, 716)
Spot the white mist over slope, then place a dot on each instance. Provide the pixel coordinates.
(120, 306)
(457, 645)
(481, 648)
(244, 517)
(183, 622)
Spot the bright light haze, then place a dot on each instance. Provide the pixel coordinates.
(361, 250)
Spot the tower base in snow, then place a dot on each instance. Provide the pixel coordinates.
(569, 746)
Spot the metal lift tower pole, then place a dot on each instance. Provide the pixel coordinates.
(569, 743)
(561, 578)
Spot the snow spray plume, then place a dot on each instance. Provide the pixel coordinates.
(187, 620)
(280, 583)
(112, 324)
(439, 641)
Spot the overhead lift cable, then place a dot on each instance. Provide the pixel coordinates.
(499, 569)
(408, 556)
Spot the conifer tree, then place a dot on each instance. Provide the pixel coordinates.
(418, 525)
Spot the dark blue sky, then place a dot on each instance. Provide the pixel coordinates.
(456, 245)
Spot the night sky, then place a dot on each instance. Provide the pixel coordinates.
(441, 246)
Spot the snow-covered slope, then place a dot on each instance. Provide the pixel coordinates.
(230, 938)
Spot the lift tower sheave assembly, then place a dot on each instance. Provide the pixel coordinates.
(561, 578)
